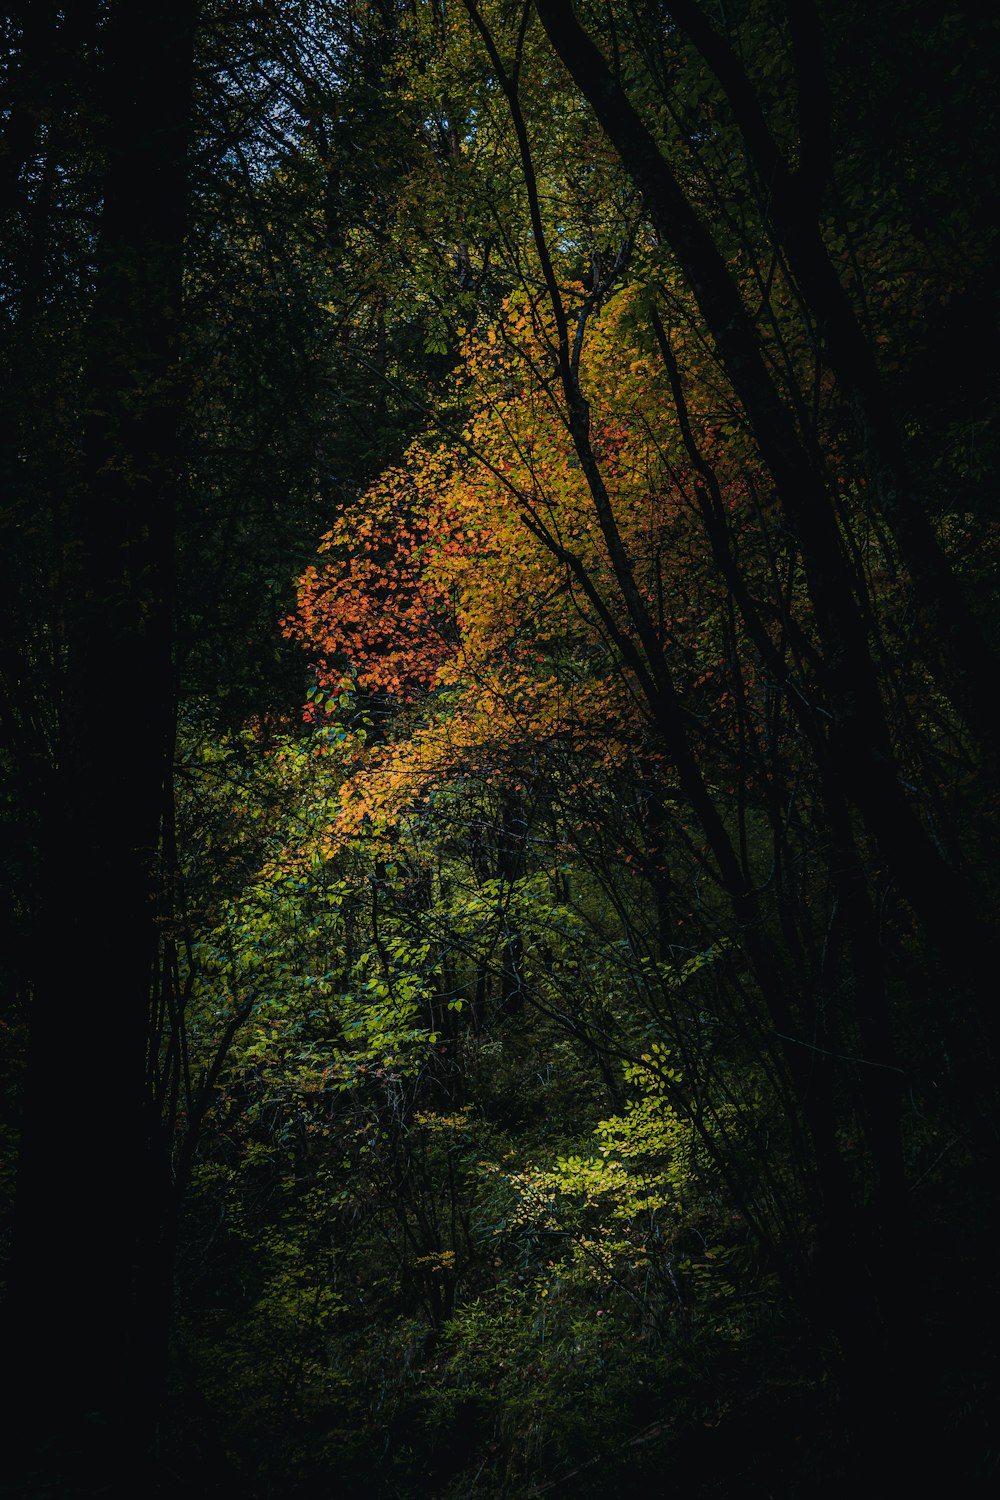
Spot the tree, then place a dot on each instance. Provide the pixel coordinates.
(565, 1032)
(90, 1323)
(807, 627)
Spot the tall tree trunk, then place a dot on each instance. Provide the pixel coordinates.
(93, 1183)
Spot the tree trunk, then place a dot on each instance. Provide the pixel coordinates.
(87, 1276)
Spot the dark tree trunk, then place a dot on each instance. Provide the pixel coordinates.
(970, 668)
(88, 1277)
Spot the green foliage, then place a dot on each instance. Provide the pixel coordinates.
(561, 1049)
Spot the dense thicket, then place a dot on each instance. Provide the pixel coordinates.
(562, 1054)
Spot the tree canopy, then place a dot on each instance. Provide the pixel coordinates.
(499, 665)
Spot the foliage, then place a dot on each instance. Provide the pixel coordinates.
(580, 1104)
(571, 1035)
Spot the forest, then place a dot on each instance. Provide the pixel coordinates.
(498, 723)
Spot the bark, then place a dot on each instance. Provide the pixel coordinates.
(88, 1274)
